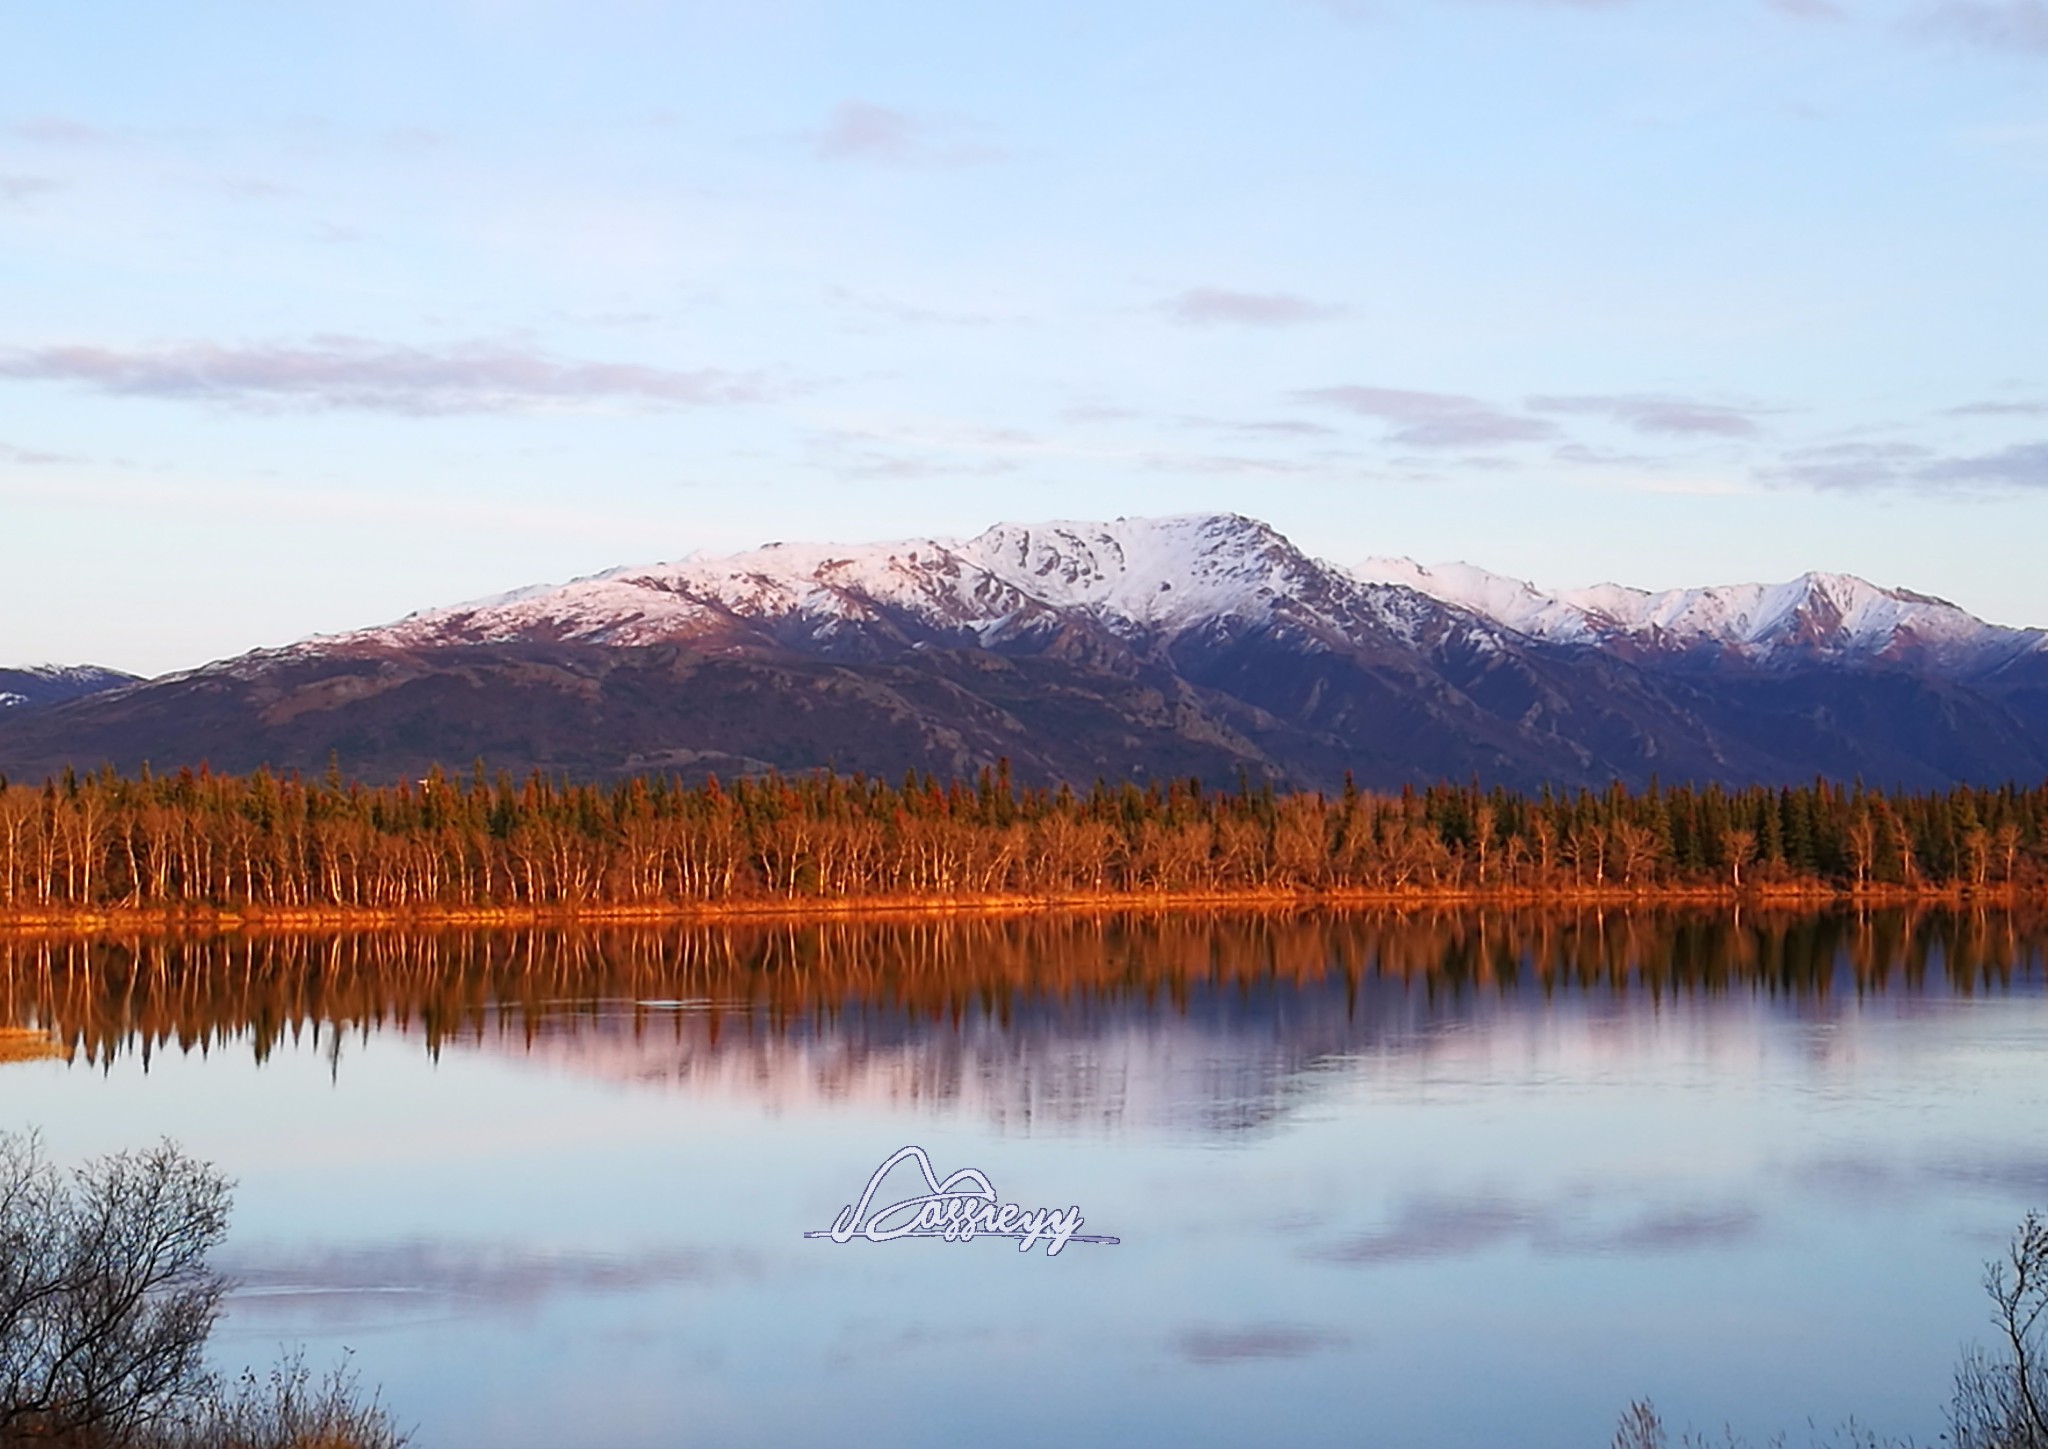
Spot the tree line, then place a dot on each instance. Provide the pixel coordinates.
(199, 840)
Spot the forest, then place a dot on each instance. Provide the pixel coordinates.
(198, 842)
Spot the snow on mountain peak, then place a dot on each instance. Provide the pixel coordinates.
(1155, 577)
(1143, 571)
(1826, 616)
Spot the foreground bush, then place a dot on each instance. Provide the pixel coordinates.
(106, 1302)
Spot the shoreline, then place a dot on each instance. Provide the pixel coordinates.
(1799, 896)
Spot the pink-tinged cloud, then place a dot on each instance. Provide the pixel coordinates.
(2011, 25)
(1656, 414)
(31, 458)
(2024, 465)
(23, 188)
(1206, 306)
(354, 374)
(1865, 467)
(1999, 410)
(58, 131)
(861, 131)
(1432, 419)
(1809, 9)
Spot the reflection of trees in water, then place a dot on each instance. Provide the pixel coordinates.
(1034, 1019)
(104, 995)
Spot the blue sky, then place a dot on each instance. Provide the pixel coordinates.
(315, 314)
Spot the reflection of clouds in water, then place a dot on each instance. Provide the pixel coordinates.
(1428, 1228)
(864, 1341)
(426, 1277)
(2022, 1177)
(1209, 1345)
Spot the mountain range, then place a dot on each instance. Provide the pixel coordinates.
(1204, 645)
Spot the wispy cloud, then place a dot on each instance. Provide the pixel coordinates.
(58, 131)
(1808, 9)
(2024, 465)
(1850, 466)
(1207, 306)
(1432, 419)
(31, 458)
(1097, 413)
(22, 188)
(356, 374)
(1283, 428)
(1998, 410)
(882, 135)
(1857, 467)
(912, 315)
(1228, 465)
(1657, 414)
(1602, 457)
(2010, 25)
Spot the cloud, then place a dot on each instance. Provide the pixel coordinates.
(1999, 410)
(1809, 9)
(1210, 1346)
(2013, 25)
(2023, 465)
(1855, 467)
(1603, 457)
(1653, 413)
(1206, 306)
(1850, 466)
(58, 131)
(355, 374)
(30, 458)
(1097, 413)
(1284, 428)
(22, 188)
(911, 315)
(1225, 464)
(881, 135)
(1432, 419)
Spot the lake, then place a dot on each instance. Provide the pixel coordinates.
(1457, 1179)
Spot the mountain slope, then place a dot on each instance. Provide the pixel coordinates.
(1206, 645)
(41, 684)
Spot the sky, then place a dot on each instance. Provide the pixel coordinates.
(315, 314)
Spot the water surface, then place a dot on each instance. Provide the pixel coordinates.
(1459, 1180)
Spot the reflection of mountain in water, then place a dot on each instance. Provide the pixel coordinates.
(1216, 1060)
(1169, 1022)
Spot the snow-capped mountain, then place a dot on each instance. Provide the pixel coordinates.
(1204, 645)
(40, 684)
(1815, 618)
(1141, 578)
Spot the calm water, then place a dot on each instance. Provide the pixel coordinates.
(1463, 1181)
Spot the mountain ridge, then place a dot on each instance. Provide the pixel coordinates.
(1198, 643)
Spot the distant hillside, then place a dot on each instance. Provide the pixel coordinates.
(42, 684)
